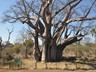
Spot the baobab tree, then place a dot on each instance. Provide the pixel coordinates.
(58, 23)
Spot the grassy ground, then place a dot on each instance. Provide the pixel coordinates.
(29, 64)
(64, 65)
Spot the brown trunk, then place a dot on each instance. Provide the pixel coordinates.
(47, 48)
(53, 50)
(47, 42)
(46, 51)
(60, 49)
(36, 53)
(53, 53)
(26, 56)
(49, 51)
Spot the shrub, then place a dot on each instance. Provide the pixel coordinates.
(17, 48)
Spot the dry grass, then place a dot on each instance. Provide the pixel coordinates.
(44, 70)
(30, 64)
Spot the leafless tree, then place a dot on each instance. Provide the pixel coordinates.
(58, 23)
(9, 34)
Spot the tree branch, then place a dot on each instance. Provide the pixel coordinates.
(41, 27)
(57, 12)
(71, 40)
(9, 32)
(79, 19)
(69, 11)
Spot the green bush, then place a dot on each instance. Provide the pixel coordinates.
(17, 48)
(9, 50)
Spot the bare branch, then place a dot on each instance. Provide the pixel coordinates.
(41, 27)
(86, 14)
(71, 40)
(9, 32)
(66, 35)
(30, 24)
(63, 7)
(69, 11)
(80, 19)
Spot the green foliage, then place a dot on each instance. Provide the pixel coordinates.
(17, 48)
(93, 31)
(28, 43)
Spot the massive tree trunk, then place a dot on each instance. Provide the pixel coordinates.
(49, 51)
(52, 53)
(53, 50)
(47, 42)
(59, 52)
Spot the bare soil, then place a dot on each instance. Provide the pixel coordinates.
(44, 70)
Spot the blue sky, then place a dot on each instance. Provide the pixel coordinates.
(4, 5)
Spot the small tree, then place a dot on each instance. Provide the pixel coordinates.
(93, 32)
(17, 48)
(25, 38)
(9, 32)
(27, 44)
(7, 43)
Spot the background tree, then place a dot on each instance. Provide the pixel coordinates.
(0, 44)
(27, 43)
(9, 32)
(7, 43)
(93, 32)
(17, 48)
(25, 39)
(53, 20)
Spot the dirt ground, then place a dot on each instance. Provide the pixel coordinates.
(46, 70)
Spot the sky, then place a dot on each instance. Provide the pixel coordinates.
(5, 5)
